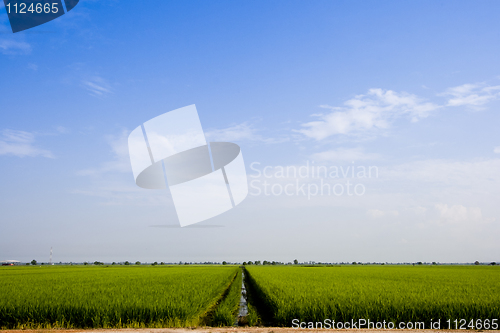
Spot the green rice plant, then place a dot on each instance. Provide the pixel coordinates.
(253, 318)
(110, 296)
(391, 293)
(226, 311)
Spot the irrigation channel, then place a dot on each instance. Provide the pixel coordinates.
(232, 307)
(243, 309)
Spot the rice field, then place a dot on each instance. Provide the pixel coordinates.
(391, 293)
(192, 296)
(110, 296)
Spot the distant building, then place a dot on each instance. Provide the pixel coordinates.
(10, 262)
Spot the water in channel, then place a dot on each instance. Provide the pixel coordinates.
(243, 311)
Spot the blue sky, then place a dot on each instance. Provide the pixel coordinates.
(412, 88)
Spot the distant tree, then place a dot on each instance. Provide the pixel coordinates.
(114, 263)
(224, 263)
(354, 263)
(250, 263)
(493, 263)
(126, 263)
(162, 263)
(27, 263)
(434, 263)
(476, 262)
(85, 263)
(137, 262)
(419, 263)
(244, 263)
(154, 264)
(33, 262)
(295, 262)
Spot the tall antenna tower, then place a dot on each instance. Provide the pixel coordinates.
(50, 261)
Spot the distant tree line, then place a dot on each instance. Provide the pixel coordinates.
(266, 262)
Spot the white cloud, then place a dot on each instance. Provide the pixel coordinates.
(472, 95)
(344, 154)
(62, 130)
(233, 133)
(458, 214)
(482, 173)
(497, 150)
(376, 213)
(113, 182)
(97, 86)
(120, 161)
(374, 111)
(473, 184)
(115, 192)
(378, 108)
(21, 144)
(418, 210)
(238, 133)
(10, 47)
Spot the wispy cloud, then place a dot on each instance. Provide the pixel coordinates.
(21, 144)
(97, 86)
(497, 150)
(344, 154)
(117, 193)
(378, 108)
(120, 161)
(473, 95)
(482, 173)
(62, 130)
(113, 182)
(377, 213)
(375, 110)
(459, 214)
(11, 47)
(241, 132)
